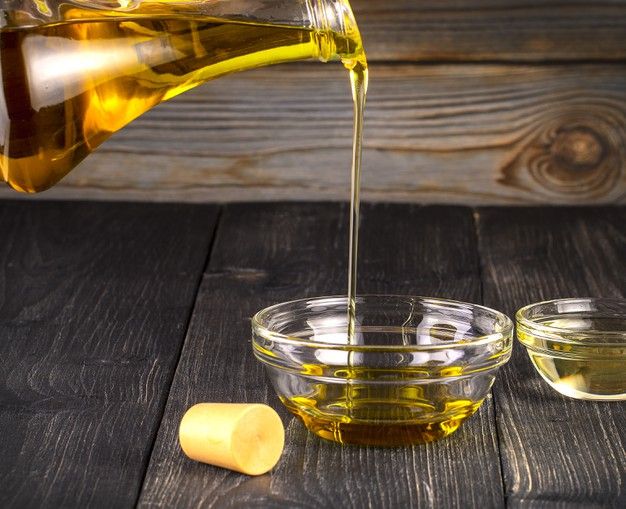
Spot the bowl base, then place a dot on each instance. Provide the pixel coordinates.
(384, 426)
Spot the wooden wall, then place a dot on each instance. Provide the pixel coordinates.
(471, 101)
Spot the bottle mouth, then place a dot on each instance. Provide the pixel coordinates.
(335, 28)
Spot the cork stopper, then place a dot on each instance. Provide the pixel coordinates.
(247, 438)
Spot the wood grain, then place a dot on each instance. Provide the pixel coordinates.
(471, 134)
(504, 30)
(94, 302)
(556, 451)
(94, 299)
(269, 253)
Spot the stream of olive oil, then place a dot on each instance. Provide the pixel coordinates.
(358, 81)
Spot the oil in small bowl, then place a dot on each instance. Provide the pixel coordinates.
(578, 346)
(415, 369)
(364, 415)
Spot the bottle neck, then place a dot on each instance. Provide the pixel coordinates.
(335, 28)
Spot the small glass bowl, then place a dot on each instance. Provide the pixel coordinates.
(578, 346)
(415, 369)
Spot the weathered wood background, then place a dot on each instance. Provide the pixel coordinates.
(472, 101)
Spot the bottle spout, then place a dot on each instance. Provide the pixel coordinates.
(335, 29)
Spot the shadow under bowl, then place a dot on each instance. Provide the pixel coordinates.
(412, 370)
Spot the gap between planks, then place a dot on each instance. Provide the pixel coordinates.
(494, 404)
(207, 259)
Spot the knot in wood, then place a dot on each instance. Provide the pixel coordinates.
(578, 148)
(576, 155)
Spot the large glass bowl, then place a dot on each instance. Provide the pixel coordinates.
(413, 371)
(578, 345)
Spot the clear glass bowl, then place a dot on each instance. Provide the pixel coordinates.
(578, 345)
(415, 370)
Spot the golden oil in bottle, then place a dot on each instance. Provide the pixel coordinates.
(66, 87)
(587, 368)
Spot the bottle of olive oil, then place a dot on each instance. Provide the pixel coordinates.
(73, 76)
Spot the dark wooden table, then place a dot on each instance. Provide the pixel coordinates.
(116, 317)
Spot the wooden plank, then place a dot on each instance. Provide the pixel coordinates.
(555, 448)
(94, 302)
(268, 253)
(473, 134)
(504, 30)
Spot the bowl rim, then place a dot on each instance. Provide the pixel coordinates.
(259, 329)
(567, 335)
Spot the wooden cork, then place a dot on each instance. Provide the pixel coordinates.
(247, 438)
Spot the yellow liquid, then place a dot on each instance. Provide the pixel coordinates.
(67, 87)
(594, 371)
(359, 81)
(583, 379)
(362, 415)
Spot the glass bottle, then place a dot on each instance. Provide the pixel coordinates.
(74, 72)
